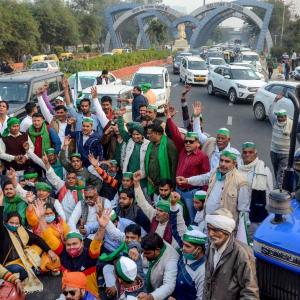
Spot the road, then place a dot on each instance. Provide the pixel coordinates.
(218, 112)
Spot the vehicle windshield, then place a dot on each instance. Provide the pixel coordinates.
(40, 65)
(197, 65)
(156, 80)
(183, 54)
(250, 57)
(114, 97)
(247, 66)
(243, 74)
(217, 61)
(84, 81)
(15, 92)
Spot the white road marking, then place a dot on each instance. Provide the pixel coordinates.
(229, 120)
(230, 104)
(176, 84)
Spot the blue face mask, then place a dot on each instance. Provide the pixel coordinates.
(189, 256)
(219, 175)
(11, 227)
(50, 219)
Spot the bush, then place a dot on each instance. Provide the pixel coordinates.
(87, 49)
(113, 62)
(58, 50)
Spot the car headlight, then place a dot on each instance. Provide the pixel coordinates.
(240, 86)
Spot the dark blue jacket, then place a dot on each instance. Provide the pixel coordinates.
(92, 145)
(137, 101)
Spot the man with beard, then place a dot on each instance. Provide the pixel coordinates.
(228, 256)
(281, 138)
(106, 104)
(129, 209)
(260, 181)
(137, 101)
(227, 188)
(159, 216)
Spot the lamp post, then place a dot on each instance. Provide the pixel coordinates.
(282, 24)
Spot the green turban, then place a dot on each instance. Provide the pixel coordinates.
(128, 175)
(50, 151)
(31, 175)
(145, 87)
(192, 135)
(163, 205)
(88, 120)
(152, 107)
(74, 235)
(135, 126)
(224, 131)
(10, 122)
(75, 154)
(229, 154)
(43, 186)
(281, 113)
(249, 145)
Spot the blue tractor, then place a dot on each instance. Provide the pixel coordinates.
(277, 240)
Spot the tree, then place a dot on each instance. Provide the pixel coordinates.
(90, 29)
(157, 32)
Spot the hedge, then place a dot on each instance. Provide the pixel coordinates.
(113, 62)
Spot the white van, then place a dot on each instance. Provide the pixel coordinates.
(160, 82)
(193, 70)
(251, 57)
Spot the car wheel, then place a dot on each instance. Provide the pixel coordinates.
(210, 88)
(232, 96)
(259, 111)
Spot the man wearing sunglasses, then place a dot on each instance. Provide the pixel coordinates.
(74, 287)
(260, 181)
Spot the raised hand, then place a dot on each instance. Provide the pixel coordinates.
(30, 197)
(137, 176)
(104, 219)
(175, 197)
(71, 121)
(39, 208)
(181, 180)
(94, 161)
(186, 89)
(94, 92)
(67, 141)
(197, 108)
(65, 83)
(46, 161)
(172, 111)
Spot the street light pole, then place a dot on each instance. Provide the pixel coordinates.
(282, 25)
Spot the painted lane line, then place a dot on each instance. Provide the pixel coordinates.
(229, 120)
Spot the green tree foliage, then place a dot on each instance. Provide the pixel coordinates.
(18, 30)
(157, 32)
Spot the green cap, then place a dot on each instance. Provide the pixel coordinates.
(135, 126)
(229, 154)
(74, 235)
(281, 113)
(192, 135)
(128, 175)
(13, 121)
(75, 154)
(113, 216)
(50, 151)
(43, 186)
(249, 145)
(120, 272)
(152, 107)
(163, 205)
(200, 195)
(88, 120)
(31, 175)
(113, 162)
(145, 87)
(195, 236)
(224, 131)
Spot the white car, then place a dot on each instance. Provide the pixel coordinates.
(115, 92)
(88, 78)
(193, 70)
(266, 95)
(238, 83)
(251, 66)
(251, 57)
(45, 65)
(160, 82)
(213, 62)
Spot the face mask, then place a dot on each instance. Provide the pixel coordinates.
(74, 252)
(11, 227)
(189, 256)
(29, 183)
(219, 175)
(50, 219)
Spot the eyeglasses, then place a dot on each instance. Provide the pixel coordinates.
(72, 293)
(189, 141)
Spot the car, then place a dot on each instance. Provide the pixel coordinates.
(21, 88)
(66, 56)
(213, 62)
(214, 54)
(107, 54)
(238, 83)
(251, 66)
(52, 57)
(296, 73)
(40, 57)
(177, 60)
(88, 79)
(46, 65)
(251, 57)
(266, 95)
(160, 82)
(115, 92)
(193, 70)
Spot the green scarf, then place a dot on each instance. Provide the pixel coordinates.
(123, 248)
(163, 161)
(151, 265)
(78, 189)
(17, 204)
(46, 144)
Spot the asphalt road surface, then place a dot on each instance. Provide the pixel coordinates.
(217, 113)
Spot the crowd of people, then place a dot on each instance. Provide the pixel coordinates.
(145, 209)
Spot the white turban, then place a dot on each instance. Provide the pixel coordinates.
(221, 219)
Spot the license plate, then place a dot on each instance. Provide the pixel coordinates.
(200, 78)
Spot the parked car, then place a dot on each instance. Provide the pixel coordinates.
(21, 88)
(39, 57)
(88, 78)
(238, 83)
(193, 70)
(296, 73)
(251, 57)
(52, 57)
(251, 66)
(266, 95)
(213, 62)
(160, 82)
(177, 60)
(115, 92)
(46, 65)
